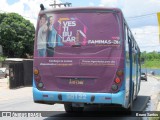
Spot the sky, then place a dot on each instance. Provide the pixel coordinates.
(141, 15)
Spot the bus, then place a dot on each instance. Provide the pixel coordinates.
(85, 56)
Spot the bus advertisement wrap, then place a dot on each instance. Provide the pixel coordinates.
(85, 56)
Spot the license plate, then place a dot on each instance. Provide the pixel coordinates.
(76, 82)
(78, 96)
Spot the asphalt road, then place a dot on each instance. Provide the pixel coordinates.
(23, 101)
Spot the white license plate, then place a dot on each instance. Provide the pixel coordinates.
(78, 96)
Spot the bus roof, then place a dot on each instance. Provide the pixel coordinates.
(80, 8)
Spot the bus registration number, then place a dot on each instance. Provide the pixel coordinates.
(79, 96)
(76, 82)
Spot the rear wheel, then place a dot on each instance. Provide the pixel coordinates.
(129, 110)
(130, 107)
(70, 109)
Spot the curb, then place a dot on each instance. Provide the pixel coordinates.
(158, 107)
(158, 104)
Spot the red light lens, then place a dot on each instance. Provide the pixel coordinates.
(37, 78)
(117, 80)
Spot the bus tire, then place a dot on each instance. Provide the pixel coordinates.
(130, 107)
(78, 109)
(129, 110)
(70, 109)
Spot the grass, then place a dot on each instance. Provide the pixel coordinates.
(151, 64)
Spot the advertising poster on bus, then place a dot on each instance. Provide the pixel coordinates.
(58, 31)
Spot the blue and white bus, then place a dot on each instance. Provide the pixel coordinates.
(85, 56)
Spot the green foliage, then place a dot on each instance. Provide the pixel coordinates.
(17, 35)
(151, 64)
(151, 60)
(2, 58)
(150, 56)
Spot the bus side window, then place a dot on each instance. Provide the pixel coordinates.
(127, 44)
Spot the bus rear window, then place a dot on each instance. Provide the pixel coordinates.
(85, 29)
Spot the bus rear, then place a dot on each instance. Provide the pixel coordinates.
(81, 58)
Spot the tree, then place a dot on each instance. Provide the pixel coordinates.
(150, 56)
(16, 35)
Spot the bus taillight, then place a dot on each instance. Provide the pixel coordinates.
(37, 78)
(119, 73)
(36, 71)
(40, 85)
(117, 80)
(114, 87)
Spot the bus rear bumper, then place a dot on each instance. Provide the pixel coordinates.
(78, 97)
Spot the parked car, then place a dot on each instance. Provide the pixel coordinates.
(143, 76)
(3, 73)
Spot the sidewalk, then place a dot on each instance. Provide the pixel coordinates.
(157, 78)
(158, 106)
(4, 83)
(9, 94)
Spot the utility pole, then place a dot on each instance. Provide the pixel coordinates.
(67, 4)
